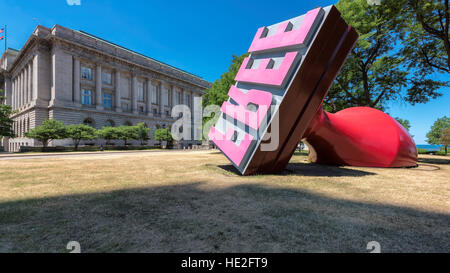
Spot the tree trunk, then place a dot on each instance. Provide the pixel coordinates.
(44, 145)
(447, 48)
(366, 88)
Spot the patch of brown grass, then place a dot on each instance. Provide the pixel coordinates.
(194, 202)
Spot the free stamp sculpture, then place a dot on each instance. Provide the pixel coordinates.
(277, 101)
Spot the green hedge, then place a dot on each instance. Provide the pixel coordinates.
(426, 152)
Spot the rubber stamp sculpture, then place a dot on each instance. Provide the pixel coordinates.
(277, 101)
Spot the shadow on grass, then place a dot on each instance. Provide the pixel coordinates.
(194, 218)
(309, 169)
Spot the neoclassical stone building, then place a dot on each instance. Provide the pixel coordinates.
(74, 77)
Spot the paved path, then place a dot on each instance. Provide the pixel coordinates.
(7, 156)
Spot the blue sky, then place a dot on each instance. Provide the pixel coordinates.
(197, 36)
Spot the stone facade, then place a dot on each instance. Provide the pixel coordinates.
(75, 78)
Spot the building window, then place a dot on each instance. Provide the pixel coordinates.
(88, 122)
(125, 107)
(86, 73)
(107, 101)
(167, 113)
(107, 78)
(140, 91)
(86, 97)
(165, 97)
(188, 100)
(154, 97)
(110, 123)
(155, 111)
(178, 98)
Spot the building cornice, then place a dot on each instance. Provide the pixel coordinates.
(128, 66)
(158, 70)
(129, 56)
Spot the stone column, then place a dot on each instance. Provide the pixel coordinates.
(98, 87)
(149, 96)
(160, 98)
(25, 85)
(36, 81)
(22, 88)
(30, 82)
(174, 95)
(76, 82)
(117, 94)
(182, 96)
(170, 89)
(13, 94)
(134, 94)
(19, 90)
(16, 93)
(8, 91)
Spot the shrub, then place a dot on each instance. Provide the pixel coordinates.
(163, 135)
(108, 134)
(142, 132)
(422, 151)
(80, 132)
(127, 133)
(48, 131)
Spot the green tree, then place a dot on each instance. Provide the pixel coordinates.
(143, 132)
(127, 133)
(163, 135)
(376, 71)
(404, 122)
(218, 93)
(80, 132)
(435, 134)
(108, 134)
(426, 45)
(445, 138)
(48, 131)
(6, 123)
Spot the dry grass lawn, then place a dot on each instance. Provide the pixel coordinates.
(194, 202)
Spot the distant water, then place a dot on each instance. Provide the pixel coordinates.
(430, 147)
